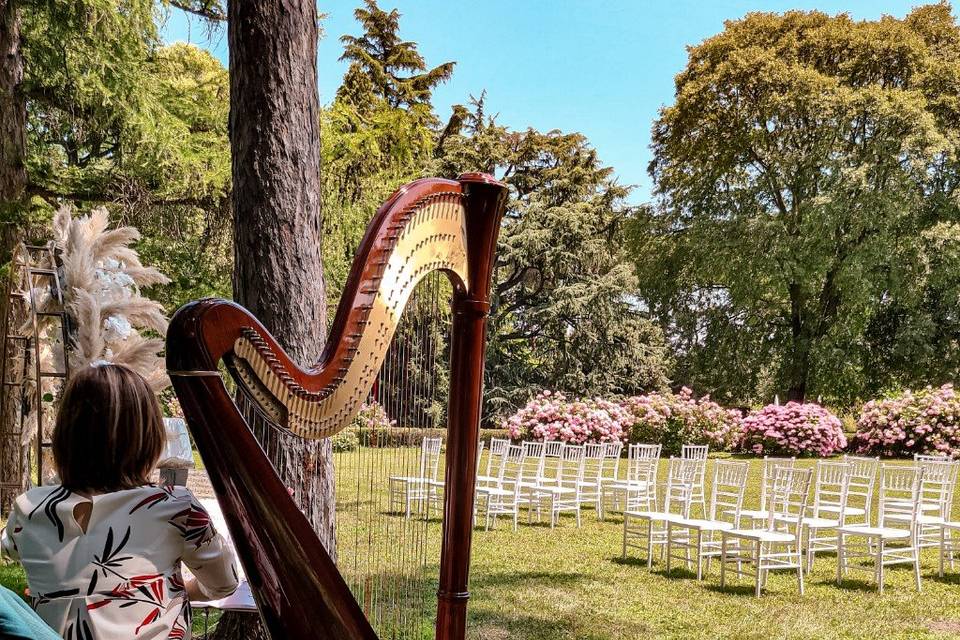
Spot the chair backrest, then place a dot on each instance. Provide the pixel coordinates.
(939, 482)
(729, 486)
(511, 464)
(831, 488)
(532, 461)
(863, 479)
(770, 464)
(926, 457)
(642, 460)
(594, 462)
(497, 447)
(678, 493)
(571, 465)
(697, 452)
(430, 457)
(611, 460)
(553, 448)
(789, 490)
(479, 454)
(900, 488)
(552, 455)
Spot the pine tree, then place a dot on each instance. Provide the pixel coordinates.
(395, 68)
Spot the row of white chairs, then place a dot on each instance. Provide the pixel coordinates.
(554, 477)
(786, 531)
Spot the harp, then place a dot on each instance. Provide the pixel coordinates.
(428, 225)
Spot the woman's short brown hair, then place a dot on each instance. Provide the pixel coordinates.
(109, 433)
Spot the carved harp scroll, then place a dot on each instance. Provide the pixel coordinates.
(427, 225)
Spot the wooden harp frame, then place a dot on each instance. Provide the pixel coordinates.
(299, 591)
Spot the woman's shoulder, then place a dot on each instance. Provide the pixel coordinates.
(42, 495)
(161, 498)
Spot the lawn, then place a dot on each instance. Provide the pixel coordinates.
(537, 583)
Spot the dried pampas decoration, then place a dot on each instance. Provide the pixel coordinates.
(102, 276)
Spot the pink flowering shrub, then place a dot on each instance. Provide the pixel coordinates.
(673, 420)
(792, 429)
(925, 421)
(551, 416)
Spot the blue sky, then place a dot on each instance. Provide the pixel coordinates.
(601, 67)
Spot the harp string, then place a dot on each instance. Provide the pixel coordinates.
(390, 562)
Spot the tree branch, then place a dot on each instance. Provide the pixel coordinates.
(211, 12)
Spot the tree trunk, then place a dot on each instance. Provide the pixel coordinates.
(278, 274)
(13, 128)
(13, 183)
(797, 368)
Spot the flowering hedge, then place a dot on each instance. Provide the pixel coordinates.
(925, 421)
(551, 416)
(792, 429)
(677, 419)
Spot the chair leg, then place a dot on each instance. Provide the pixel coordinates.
(800, 567)
(669, 544)
(757, 555)
(880, 566)
(942, 549)
(699, 553)
(916, 566)
(649, 544)
(626, 519)
(723, 561)
(839, 557)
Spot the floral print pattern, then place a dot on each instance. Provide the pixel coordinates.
(121, 577)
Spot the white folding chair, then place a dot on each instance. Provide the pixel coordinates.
(698, 452)
(639, 489)
(494, 450)
(562, 493)
(647, 528)
(407, 491)
(501, 497)
(594, 468)
(863, 479)
(894, 540)
(776, 545)
(770, 464)
(936, 499)
(830, 494)
(552, 456)
(698, 535)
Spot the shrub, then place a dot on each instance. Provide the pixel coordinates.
(345, 440)
(551, 416)
(792, 429)
(673, 420)
(925, 421)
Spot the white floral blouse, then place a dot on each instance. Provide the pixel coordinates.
(121, 578)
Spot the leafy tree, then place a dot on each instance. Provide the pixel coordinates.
(564, 316)
(805, 172)
(395, 69)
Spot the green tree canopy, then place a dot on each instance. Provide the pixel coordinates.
(806, 176)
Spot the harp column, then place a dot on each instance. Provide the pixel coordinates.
(485, 202)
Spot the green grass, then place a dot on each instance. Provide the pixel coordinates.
(537, 583)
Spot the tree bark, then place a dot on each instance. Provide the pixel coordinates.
(278, 274)
(13, 127)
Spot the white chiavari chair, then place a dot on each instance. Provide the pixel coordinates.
(646, 529)
(562, 493)
(698, 536)
(698, 452)
(405, 492)
(639, 489)
(770, 464)
(830, 494)
(777, 545)
(895, 538)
